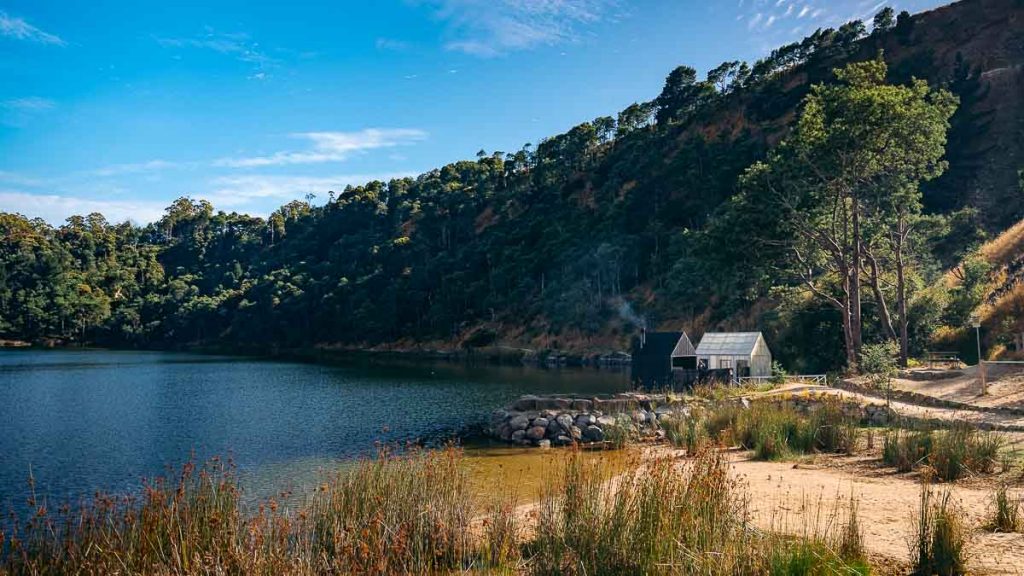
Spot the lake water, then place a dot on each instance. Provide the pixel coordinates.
(81, 421)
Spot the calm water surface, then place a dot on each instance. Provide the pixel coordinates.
(81, 421)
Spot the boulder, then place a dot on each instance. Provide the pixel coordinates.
(563, 440)
(542, 422)
(576, 433)
(519, 422)
(544, 444)
(606, 421)
(505, 432)
(536, 432)
(554, 429)
(518, 436)
(584, 420)
(565, 422)
(593, 434)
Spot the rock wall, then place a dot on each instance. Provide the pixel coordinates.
(546, 421)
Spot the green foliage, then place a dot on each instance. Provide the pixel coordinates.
(885, 20)
(668, 201)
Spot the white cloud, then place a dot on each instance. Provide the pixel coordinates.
(331, 147)
(55, 209)
(488, 28)
(232, 192)
(19, 29)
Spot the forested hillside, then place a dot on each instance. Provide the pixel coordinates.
(664, 213)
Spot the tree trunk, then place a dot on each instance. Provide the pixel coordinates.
(876, 288)
(855, 304)
(901, 291)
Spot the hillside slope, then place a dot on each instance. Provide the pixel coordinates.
(568, 245)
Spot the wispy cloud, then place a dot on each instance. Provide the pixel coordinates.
(31, 103)
(135, 168)
(238, 45)
(55, 208)
(331, 147)
(488, 28)
(19, 29)
(392, 44)
(19, 112)
(764, 14)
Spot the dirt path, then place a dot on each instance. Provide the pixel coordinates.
(1006, 422)
(1005, 386)
(796, 498)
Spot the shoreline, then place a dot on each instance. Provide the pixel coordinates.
(490, 356)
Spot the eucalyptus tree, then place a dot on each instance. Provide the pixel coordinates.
(851, 169)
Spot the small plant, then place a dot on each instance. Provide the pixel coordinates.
(619, 434)
(779, 374)
(939, 537)
(1007, 516)
(850, 543)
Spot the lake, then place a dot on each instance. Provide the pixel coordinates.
(87, 420)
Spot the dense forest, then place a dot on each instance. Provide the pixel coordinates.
(818, 194)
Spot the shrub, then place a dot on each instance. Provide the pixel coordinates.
(939, 537)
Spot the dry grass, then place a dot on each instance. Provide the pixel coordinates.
(395, 514)
(1004, 248)
(414, 514)
(663, 520)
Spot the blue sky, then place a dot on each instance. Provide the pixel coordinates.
(122, 106)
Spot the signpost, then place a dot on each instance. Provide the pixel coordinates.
(976, 322)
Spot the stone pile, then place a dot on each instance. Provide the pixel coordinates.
(560, 420)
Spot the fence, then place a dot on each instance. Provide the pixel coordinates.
(818, 379)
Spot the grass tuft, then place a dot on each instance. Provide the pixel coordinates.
(939, 537)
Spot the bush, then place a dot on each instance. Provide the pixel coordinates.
(939, 537)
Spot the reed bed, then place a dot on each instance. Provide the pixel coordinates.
(415, 514)
(773, 432)
(950, 454)
(664, 519)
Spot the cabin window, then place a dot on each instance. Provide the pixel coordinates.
(684, 362)
(724, 363)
